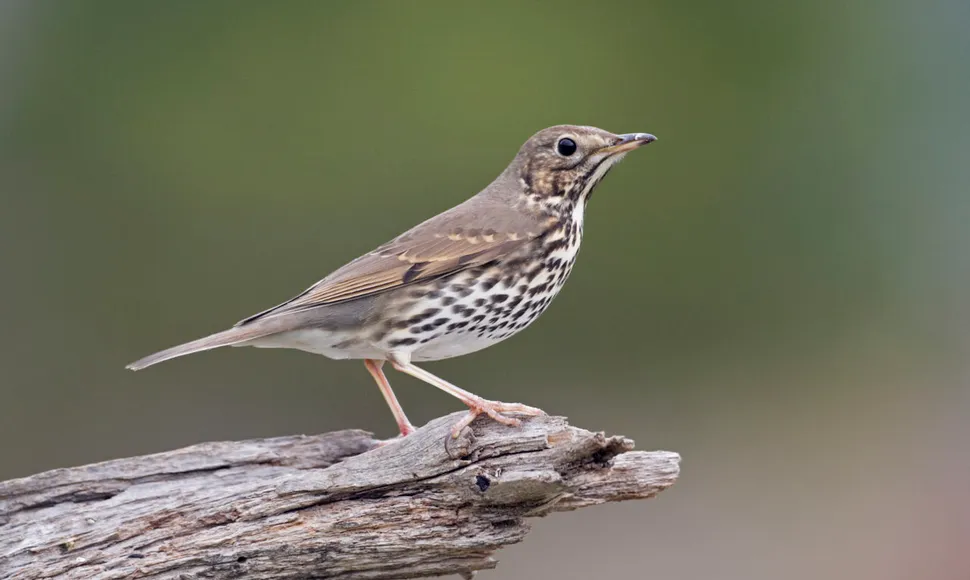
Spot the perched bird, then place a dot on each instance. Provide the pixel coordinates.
(461, 281)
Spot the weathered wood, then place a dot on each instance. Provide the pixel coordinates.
(338, 505)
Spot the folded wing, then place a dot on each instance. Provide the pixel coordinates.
(435, 248)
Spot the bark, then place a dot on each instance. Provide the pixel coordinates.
(337, 505)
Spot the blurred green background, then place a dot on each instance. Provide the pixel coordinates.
(777, 289)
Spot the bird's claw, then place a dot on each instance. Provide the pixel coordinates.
(495, 410)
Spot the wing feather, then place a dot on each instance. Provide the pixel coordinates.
(435, 248)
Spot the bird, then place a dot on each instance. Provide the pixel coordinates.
(456, 283)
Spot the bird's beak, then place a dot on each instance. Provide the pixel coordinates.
(628, 142)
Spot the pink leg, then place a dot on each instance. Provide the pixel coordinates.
(374, 368)
(476, 404)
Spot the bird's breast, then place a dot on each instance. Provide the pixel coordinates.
(475, 308)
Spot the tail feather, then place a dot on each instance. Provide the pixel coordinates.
(219, 339)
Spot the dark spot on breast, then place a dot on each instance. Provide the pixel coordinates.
(439, 321)
(403, 342)
(479, 302)
(499, 298)
(539, 288)
(448, 300)
(555, 245)
(488, 284)
(421, 317)
(516, 263)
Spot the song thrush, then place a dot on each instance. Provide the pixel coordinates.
(457, 283)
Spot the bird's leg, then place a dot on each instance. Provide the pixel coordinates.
(476, 404)
(374, 368)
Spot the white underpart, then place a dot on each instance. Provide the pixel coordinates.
(317, 341)
(599, 173)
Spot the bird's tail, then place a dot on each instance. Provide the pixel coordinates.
(225, 338)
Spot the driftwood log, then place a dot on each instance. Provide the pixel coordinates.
(337, 505)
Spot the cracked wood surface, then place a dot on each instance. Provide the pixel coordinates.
(337, 505)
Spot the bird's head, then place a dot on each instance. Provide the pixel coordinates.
(558, 167)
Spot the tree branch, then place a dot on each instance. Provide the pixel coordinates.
(337, 505)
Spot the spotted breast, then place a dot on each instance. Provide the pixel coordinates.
(476, 308)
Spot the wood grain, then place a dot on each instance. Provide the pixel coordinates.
(337, 505)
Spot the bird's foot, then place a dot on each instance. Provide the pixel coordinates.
(495, 410)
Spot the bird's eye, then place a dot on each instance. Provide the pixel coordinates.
(566, 147)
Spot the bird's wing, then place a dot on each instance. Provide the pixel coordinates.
(435, 248)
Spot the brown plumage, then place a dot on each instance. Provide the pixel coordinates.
(444, 244)
(456, 283)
